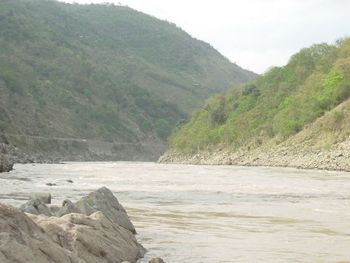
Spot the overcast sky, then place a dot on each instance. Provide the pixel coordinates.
(256, 34)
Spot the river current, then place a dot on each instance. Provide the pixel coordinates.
(194, 214)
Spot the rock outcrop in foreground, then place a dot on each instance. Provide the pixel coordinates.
(93, 233)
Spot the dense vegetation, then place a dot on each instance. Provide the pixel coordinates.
(277, 105)
(101, 72)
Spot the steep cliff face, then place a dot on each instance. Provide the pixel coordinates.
(101, 80)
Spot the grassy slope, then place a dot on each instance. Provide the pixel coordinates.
(306, 103)
(101, 72)
(331, 129)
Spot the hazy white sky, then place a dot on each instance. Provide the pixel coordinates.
(256, 34)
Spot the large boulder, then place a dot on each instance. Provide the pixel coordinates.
(36, 206)
(94, 229)
(68, 207)
(5, 164)
(22, 241)
(103, 200)
(100, 200)
(44, 197)
(92, 238)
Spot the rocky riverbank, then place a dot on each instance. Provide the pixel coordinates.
(94, 229)
(6, 164)
(291, 153)
(26, 149)
(10, 154)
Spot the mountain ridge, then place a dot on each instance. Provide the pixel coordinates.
(100, 72)
(297, 115)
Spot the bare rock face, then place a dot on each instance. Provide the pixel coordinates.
(22, 241)
(103, 200)
(92, 238)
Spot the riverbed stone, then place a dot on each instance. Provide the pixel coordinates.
(36, 207)
(23, 241)
(44, 197)
(103, 200)
(67, 208)
(92, 238)
(68, 237)
(54, 208)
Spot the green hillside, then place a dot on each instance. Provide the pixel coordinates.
(100, 72)
(276, 106)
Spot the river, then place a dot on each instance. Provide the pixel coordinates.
(196, 214)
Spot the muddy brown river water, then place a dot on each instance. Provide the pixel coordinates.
(187, 213)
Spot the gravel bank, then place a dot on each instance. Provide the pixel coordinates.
(287, 154)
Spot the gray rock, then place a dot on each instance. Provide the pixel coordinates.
(67, 208)
(72, 238)
(103, 200)
(44, 197)
(54, 209)
(100, 200)
(36, 207)
(92, 238)
(95, 229)
(22, 241)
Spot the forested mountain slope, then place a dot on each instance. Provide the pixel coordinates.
(291, 112)
(100, 74)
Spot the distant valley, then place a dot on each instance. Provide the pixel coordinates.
(99, 82)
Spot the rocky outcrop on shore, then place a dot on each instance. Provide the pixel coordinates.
(94, 229)
(16, 155)
(22, 240)
(5, 164)
(288, 154)
(34, 150)
(104, 200)
(101, 200)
